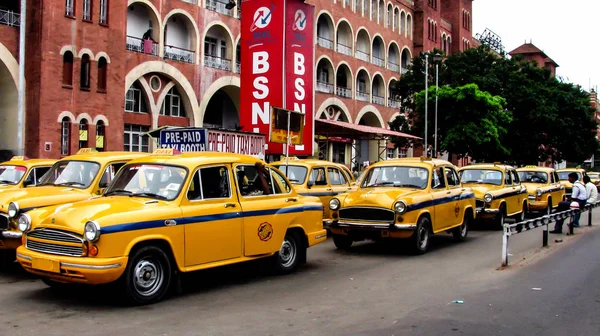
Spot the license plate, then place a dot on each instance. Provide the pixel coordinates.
(45, 265)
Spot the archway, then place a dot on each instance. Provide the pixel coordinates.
(8, 108)
(222, 110)
(368, 150)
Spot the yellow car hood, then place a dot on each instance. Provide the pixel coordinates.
(382, 197)
(29, 198)
(532, 187)
(480, 189)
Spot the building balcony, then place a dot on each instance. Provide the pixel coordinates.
(344, 49)
(404, 70)
(180, 54)
(361, 55)
(324, 42)
(217, 62)
(343, 92)
(393, 103)
(193, 2)
(10, 18)
(362, 96)
(379, 61)
(378, 100)
(219, 7)
(238, 68)
(393, 67)
(239, 11)
(324, 87)
(136, 44)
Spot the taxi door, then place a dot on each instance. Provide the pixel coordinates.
(338, 181)
(508, 193)
(319, 185)
(456, 203)
(268, 208)
(521, 195)
(212, 214)
(558, 190)
(443, 204)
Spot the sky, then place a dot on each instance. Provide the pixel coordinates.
(563, 29)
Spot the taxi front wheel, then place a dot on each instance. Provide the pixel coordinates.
(147, 277)
(291, 253)
(342, 242)
(420, 239)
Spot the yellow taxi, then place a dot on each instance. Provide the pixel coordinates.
(318, 178)
(498, 191)
(543, 187)
(404, 198)
(21, 172)
(594, 178)
(169, 213)
(563, 175)
(71, 179)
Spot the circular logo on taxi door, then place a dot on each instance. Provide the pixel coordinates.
(456, 210)
(265, 231)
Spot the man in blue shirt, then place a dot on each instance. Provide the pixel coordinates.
(579, 195)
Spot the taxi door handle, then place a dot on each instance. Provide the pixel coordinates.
(170, 222)
(448, 192)
(329, 189)
(230, 205)
(291, 200)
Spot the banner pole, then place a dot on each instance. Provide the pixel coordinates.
(287, 142)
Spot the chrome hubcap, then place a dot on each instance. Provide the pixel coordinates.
(463, 229)
(148, 277)
(287, 253)
(423, 237)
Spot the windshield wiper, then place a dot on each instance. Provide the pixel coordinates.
(70, 184)
(151, 195)
(118, 191)
(380, 184)
(408, 186)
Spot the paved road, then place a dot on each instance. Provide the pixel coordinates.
(370, 290)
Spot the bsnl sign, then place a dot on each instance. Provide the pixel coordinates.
(278, 48)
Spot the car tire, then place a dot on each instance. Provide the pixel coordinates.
(500, 218)
(549, 207)
(421, 236)
(461, 232)
(290, 255)
(147, 277)
(342, 242)
(7, 259)
(522, 216)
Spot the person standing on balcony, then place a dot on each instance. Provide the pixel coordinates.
(148, 42)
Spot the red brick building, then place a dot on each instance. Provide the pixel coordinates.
(92, 81)
(534, 54)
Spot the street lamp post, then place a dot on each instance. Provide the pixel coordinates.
(437, 58)
(426, 99)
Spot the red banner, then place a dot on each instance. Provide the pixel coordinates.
(299, 68)
(262, 71)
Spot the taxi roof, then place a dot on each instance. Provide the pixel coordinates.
(500, 166)
(102, 157)
(312, 162)
(29, 162)
(413, 160)
(536, 168)
(195, 158)
(570, 170)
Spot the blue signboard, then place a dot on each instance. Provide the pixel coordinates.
(184, 139)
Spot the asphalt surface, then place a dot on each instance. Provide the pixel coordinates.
(373, 289)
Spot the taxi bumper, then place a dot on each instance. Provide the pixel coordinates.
(317, 237)
(538, 205)
(93, 271)
(10, 240)
(485, 212)
(380, 226)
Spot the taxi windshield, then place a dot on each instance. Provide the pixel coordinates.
(533, 177)
(78, 174)
(564, 176)
(396, 176)
(11, 174)
(296, 174)
(481, 176)
(148, 180)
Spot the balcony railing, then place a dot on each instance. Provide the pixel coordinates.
(239, 10)
(324, 87)
(324, 42)
(10, 18)
(343, 92)
(217, 62)
(378, 100)
(378, 61)
(362, 96)
(393, 103)
(393, 66)
(238, 67)
(219, 7)
(362, 56)
(404, 70)
(179, 54)
(344, 49)
(137, 44)
(190, 1)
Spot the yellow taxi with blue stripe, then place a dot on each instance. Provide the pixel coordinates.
(22, 172)
(170, 213)
(74, 178)
(498, 191)
(563, 175)
(404, 198)
(543, 187)
(318, 178)
(594, 178)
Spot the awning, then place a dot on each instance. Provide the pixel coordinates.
(342, 129)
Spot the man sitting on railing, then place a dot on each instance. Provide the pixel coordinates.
(592, 190)
(579, 195)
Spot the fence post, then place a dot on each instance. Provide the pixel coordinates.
(545, 235)
(571, 228)
(590, 215)
(504, 246)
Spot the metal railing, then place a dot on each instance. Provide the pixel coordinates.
(324, 87)
(136, 44)
(179, 54)
(361, 55)
(190, 1)
(238, 67)
(404, 70)
(219, 7)
(378, 100)
(393, 103)
(217, 62)
(10, 18)
(343, 92)
(378, 61)
(362, 96)
(344, 49)
(239, 11)
(393, 66)
(324, 42)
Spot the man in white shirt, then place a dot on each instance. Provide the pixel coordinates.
(578, 195)
(592, 191)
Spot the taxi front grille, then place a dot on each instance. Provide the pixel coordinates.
(368, 214)
(54, 242)
(479, 203)
(54, 235)
(73, 251)
(4, 222)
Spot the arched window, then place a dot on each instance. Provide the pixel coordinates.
(68, 68)
(65, 135)
(172, 104)
(100, 136)
(102, 74)
(84, 81)
(83, 134)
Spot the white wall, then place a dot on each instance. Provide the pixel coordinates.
(138, 21)
(344, 36)
(8, 110)
(323, 28)
(177, 33)
(363, 43)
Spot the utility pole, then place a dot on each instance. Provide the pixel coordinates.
(21, 94)
(426, 99)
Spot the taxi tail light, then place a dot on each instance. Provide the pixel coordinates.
(93, 250)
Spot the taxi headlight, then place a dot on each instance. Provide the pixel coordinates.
(24, 223)
(488, 198)
(334, 204)
(13, 209)
(400, 207)
(538, 192)
(91, 231)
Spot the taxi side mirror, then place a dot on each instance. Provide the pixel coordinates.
(309, 184)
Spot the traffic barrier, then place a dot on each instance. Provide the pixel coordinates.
(544, 221)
